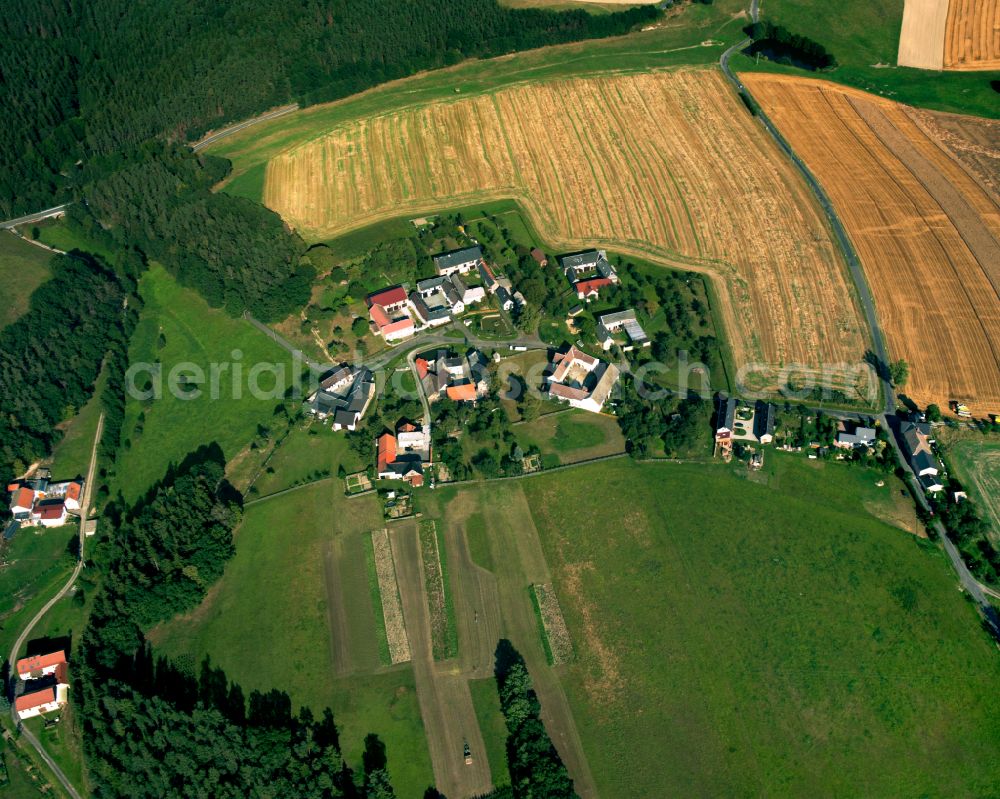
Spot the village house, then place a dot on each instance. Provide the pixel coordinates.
(41, 502)
(47, 686)
(343, 396)
(539, 257)
(763, 422)
(917, 443)
(612, 323)
(36, 666)
(401, 456)
(390, 313)
(581, 380)
(725, 424)
(460, 378)
(458, 261)
(861, 437)
(589, 272)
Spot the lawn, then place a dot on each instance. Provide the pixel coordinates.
(572, 436)
(740, 638)
(266, 623)
(976, 463)
(311, 450)
(23, 268)
(177, 328)
(864, 37)
(33, 566)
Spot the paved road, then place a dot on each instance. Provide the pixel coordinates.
(84, 509)
(214, 137)
(879, 350)
(35, 217)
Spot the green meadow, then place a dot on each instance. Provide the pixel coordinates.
(23, 268)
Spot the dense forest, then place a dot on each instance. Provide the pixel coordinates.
(780, 45)
(91, 80)
(51, 356)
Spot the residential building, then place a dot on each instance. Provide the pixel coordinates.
(587, 290)
(44, 700)
(37, 666)
(402, 456)
(609, 324)
(763, 422)
(460, 378)
(539, 257)
(861, 437)
(39, 501)
(725, 418)
(487, 277)
(390, 314)
(344, 396)
(581, 380)
(504, 298)
(917, 443)
(458, 261)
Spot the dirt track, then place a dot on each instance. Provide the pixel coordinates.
(442, 690)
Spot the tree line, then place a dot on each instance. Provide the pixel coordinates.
(51, 356)
(777, 43)
(88, 80)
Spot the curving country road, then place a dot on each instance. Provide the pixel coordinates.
(968, 582)
(84, 509)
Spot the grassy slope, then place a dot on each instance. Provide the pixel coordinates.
(23, 268)
(265, 623)
(71, 455)
(200, 335)
(738, 639)
(494, 730)
(863, 33)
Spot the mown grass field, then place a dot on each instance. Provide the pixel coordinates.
(267, 624)
(174, 426)
(738, 638)
(71, 455)
(23, 268)
(571, 436)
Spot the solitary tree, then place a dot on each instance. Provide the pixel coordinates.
(933, 413)
(899, 372)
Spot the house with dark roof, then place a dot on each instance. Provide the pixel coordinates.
(725, 418)
(609, 324)
(763, 422)
(401, 456)
(504, 298)
(462, 378)
(917, 442)
(344, 397)
(458, 261)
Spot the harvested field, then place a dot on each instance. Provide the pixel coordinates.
(927, 233)
(972, 141)
(392, 610)
(444, 637)
(921, 36)
(556, 634)
(665, 165)
(972, 35)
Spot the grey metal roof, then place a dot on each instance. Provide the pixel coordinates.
(449, 260)
(430, 283)
(580, 260)
(345, 418)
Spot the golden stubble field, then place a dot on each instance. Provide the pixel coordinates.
(972, 35)
(664, 165)
(927, 233)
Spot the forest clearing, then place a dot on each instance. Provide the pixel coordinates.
(927, 234)
(663, 165)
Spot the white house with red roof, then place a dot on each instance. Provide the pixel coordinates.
(39, 502)
(37, 666)
(390, 313)
(46, 699)
(401, 456)
(581, 380)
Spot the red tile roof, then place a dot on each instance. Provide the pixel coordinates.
(35, 699)
(592, 286)
(538, 255)
(379, 316)
(53, 511)
(407, 427)
(567, 392)
(417, 480)
(24, 498)
(39, 662)
(392, 296)
(73, 491)
(386, 450)
(422, 367)
(402, 324)
(465, 392)
(11, 488)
